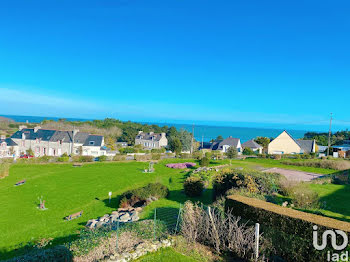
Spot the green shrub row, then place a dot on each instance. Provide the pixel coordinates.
(131, 197)
(290, 231)
(328, 164)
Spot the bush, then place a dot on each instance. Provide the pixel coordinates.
(143, 157)
(253, 181)
(4, 170)
(185, 155)
(290, 230)
(327, 164)
(155, 156)
(63, 159)
(119, 158)
(248, 151)
(204, 161)
(193, 186)
(158, 151)
(102, 158)
(127, 150)
(131, 197)
(303, 197)
(84, 159)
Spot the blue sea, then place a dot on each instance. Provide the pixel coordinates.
(205, 132)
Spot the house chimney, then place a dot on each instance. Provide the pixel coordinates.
(3, 137)
(22, 127)
(151, 133)
(75, 131)
(36, 128)
(140, 132)
(163, 134)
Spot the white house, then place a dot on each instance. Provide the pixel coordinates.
(151, 140)
(224, 145)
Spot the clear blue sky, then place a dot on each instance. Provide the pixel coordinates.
(228, 61)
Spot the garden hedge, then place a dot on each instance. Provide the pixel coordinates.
(289, 231)
(286, 219)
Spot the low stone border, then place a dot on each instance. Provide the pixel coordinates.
(139, 251)
(123, 215)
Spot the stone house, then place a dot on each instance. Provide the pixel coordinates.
(286, 144)
(8, 148)
(253, 146)
(151, 140)
(224, 145)
(56, 142)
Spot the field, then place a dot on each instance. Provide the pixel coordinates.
(67, 189)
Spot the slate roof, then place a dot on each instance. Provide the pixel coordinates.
(230, 141)
(306, 145)
(149, 136)
(57, 135)
(43, 134)
(8, 141)
(251, 144)
(93, 140)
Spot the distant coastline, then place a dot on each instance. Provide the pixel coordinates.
(201, 132)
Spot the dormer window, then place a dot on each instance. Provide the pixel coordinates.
(91, 143)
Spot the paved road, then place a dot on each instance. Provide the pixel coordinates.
(293, 175)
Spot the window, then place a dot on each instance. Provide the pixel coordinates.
(91, 143)
(60, 142)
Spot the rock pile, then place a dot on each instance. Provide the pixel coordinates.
(123, 215)
(139, 250)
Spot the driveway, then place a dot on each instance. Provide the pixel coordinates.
(293, 175)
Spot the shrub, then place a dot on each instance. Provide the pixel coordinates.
(102, 158)
(158, 151)
(85, 158)
(143, 157)
(204, 161)
(180, 165)
(248, 151)
(193, 186)
(327, 164)
(63, 159)
(185, 155)
(253, 181)
(290, 230)
(303, 197)
(141, 194)
(155, 156)
(224, 233)
(119, 158)
(127, 150)
(4, 170)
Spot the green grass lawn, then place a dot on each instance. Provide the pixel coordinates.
(335, 198)
(69, 189)
(166, 255)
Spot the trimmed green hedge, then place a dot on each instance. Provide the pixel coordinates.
(193, 186)
(289, 230)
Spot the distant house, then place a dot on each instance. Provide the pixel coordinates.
(224, 145)
(286, 144)
(151, 140)
(253, 146)
(122, 144)
(8, 148)
(55, 142)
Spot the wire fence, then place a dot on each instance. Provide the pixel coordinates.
(166, 221)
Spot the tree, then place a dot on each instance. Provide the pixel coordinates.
(110, 142)
(263, 141)
(248, 151)
(219, 138)
(231, 153)
(186, 140)
(175, 145)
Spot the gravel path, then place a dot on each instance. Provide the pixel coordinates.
(293, 175)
